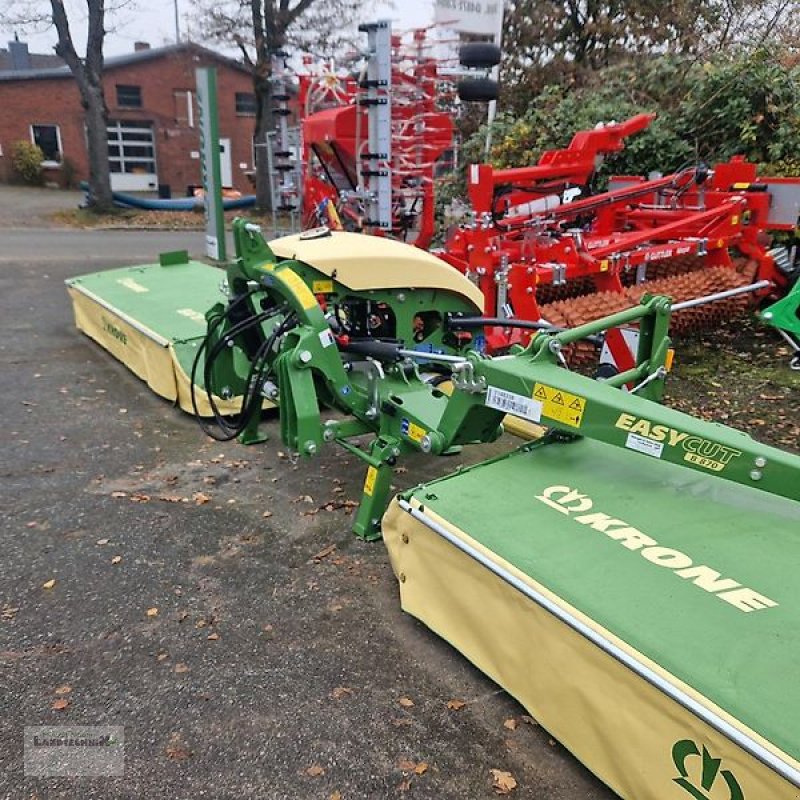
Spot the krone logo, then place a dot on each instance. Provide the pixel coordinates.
(565, 499)
(705, 771)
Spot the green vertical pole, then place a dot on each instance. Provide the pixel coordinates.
(210, 164)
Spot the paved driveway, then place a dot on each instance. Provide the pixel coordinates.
(247, 642)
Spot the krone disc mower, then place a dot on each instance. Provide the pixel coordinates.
(629, 576)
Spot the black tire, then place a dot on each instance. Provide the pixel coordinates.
(478, 90)
(482, 55)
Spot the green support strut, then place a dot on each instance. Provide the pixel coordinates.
(377, 485)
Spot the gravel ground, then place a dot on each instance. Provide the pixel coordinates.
(206, 600)
(245, 655)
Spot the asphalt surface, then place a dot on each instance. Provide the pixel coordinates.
(22, 206)
(188, 605)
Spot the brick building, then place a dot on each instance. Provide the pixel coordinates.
(153, 127)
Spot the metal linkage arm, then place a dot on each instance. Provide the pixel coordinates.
(532, 385)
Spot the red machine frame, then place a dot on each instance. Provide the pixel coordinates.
(524, 239)
(334, 139)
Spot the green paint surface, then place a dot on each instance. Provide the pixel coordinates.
(174, 302)
(747, 663)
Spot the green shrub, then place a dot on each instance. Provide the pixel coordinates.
(26, 160)
(741, 103)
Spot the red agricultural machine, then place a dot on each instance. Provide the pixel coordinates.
(372, 142)
(372, 160)
(540, 247)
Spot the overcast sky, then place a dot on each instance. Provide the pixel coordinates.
(153, 21)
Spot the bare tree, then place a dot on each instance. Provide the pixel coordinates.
(261, 30)
(88, 73)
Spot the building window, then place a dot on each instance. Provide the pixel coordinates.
(129, 96)
(131, 147)
(246, 104)
(48, 139)
(184, 107)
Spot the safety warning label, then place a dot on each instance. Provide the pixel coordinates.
(560, 406)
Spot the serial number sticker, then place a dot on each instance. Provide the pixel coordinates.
(560, 406)
(322, 287)
(301, 291)
(326, 338)
(642, 445)
(512, 403)
(369, 481)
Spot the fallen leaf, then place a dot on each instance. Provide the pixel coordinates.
(177, 749)
(455, 704)
(102, 541)
(200, 498)
(116, 559)
(337, 795)
(61, 704)
(8, 612)
(406, 765)
(152, 612)
(162, 656)
(63, 690)
(49, 584)
(511, 724)
(421, 768)
(324, 553)
(314, 771)
(502, 782)
(180, 668)
(212, 637)
(341, 691)
(406, 702)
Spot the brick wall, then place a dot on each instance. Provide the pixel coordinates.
(56, 101)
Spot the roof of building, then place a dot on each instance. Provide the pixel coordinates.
(37, 60)
(51, 71)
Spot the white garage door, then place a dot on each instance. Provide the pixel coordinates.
(132, 156)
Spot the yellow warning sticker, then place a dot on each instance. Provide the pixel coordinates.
(560, 406)
(415, 433)
(322, 287)
(369, 481)
(301, 291)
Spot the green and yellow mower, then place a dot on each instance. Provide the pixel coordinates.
(629, 576)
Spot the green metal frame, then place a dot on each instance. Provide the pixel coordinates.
(785, 314)
(405, 413)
